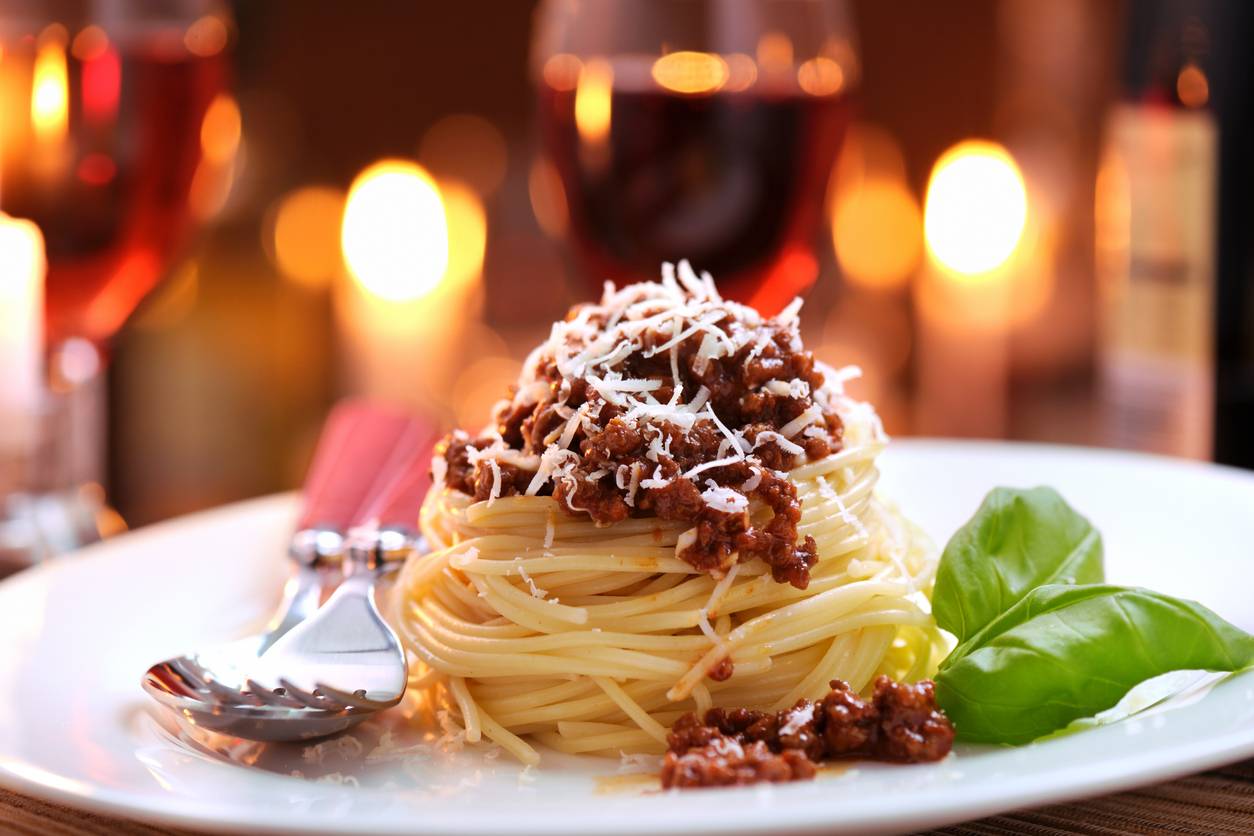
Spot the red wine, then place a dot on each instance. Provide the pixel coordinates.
(113, 196)
(733, 181)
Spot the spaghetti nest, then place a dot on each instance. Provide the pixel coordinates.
(534, 625)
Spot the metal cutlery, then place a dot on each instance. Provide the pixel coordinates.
(345, 659)
(211, 686)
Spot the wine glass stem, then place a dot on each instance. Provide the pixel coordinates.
(85, 428)
(74, 451)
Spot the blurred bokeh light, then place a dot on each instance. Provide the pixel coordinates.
(593, 101)
(394, 232)
(690, 72)
(49, 102)
(877, 231)
(303, 229)
(975, 209)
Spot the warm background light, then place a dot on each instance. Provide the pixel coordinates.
(742, 72)
(305, 234)
(775, 52)
(22, 268)
(1192, 86)
(101, 75)
(467, 226)
(561, 72)
(395, 234)
(593, 101)
(49, 102)
(206, 37)
(548, 198)
(820, 76)
(90, 43)
(480, 387)
(875, 232)
(690, 72)
(220, 131)
(975, 209)
(220, 137)
(877, 227)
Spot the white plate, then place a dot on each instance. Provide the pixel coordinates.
(75, 636)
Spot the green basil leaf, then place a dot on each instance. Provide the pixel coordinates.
(1017, 540)
(1066, 652)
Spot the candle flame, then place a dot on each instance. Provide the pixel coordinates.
(394, 234)
(49, 103)
(975, 210)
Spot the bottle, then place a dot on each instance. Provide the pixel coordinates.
(1155, 242)
(1232, 95)
(1175, 359)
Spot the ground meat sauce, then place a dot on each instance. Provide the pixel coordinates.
(900, 723)
(679, 379)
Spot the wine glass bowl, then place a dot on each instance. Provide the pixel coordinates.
(696, 129)
(117, 139)
(105, 144)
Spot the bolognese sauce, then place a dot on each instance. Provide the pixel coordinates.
(900, 724)
(691, 412)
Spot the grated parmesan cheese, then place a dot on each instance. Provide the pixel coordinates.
(797, 719)
(536, 592)
(724, 499)
(805, 419)
(783, 443)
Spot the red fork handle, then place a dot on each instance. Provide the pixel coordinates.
(357, 440)
(396, 495)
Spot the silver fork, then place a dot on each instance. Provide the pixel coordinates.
(214, 687)
(343, 663)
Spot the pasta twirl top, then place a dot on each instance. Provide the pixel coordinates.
(666, 400)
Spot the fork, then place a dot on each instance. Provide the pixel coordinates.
(342, 664)
(346, 657)
(356, 441)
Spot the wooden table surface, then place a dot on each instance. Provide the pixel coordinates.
(1218, 802)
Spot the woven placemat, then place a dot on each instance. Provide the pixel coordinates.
(1219, 802)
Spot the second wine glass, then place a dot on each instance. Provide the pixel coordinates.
(698, 129)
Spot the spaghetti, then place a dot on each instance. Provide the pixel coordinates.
(531, 620)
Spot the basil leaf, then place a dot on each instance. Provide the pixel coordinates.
(1017, 540)
(1066, 652)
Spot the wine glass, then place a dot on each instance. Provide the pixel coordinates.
(117, 140)
(698, 129)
